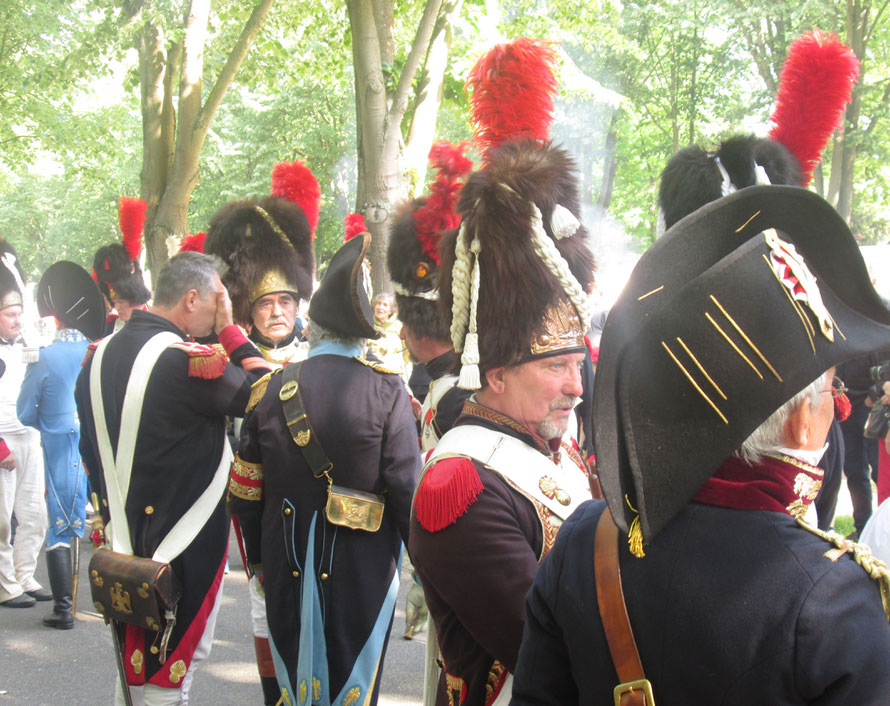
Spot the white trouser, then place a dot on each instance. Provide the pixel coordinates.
(22, 493)
(151, 695)
(257, 607)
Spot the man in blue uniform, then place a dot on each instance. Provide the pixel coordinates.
(713, 402)
(322, 487)
(46, 402)
(180, 457)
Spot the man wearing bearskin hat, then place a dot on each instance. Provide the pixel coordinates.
(267, 245)
(515, 279)
(322, 488)
(164, 457)
(116, 266)
(46, 403)
(715, 392)
(413, 259)
(21, 462)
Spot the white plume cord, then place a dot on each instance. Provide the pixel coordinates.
(431, 295)
(469, 372)
(556, 263)
(460, 290)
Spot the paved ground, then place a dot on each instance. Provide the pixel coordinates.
(40, 666)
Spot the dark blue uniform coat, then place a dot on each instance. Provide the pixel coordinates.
(733, 607)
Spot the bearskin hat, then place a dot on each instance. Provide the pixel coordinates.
(815, 85)
(413, 254)
(267, 247)
(116, 267)
(520, 218)
(12, 277)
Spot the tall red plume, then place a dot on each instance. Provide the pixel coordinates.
(438, 213)
(193, 243)
(295, 182)
(815, 86)
(131, 214)
(513, 87)
(355, 224)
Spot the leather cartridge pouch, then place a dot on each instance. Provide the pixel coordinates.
(346, 507)
(135, 590)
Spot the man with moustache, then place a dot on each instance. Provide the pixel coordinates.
(499, 484)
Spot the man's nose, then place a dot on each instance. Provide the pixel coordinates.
(574, 386)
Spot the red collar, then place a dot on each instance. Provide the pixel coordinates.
(774, 483)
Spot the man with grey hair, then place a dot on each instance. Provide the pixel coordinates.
(322, 487)
(698, 581)
(172, 426)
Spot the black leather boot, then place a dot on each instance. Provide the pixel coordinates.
(58, 564)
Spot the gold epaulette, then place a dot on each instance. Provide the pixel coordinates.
(258, 389)
(246, 480)
(379, 367)
(205, 362)
(862, 555)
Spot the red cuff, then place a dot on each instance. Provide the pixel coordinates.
(4, 450)
(231, 337)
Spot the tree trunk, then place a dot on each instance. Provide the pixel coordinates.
(381, 177)
(423, 121)
(172, 147)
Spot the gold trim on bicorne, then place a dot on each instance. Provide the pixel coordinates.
(177, 671)
(12, 298)
(560, 329)
(246, 480)
(272, 281)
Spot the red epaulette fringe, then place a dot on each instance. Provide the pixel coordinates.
(205, 362)
(446, 493)
(91, 348)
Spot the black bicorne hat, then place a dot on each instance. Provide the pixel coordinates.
(736, 309)
(67, 292)
(342, 302)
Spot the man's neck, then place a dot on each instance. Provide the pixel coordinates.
(175, 316)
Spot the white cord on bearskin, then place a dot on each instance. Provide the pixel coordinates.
(469, 372)
(460, 290)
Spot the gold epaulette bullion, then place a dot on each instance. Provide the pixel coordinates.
(379, 367)
(258, 389)
(862, 555)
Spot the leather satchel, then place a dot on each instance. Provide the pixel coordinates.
(133, 589)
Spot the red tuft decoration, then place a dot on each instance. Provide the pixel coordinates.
(131, 213)
(295, 182)
(355, 224)
(438, 213)
(446, 492)
(193, 243)
(513, 87)
(814, 88)
(842, 407)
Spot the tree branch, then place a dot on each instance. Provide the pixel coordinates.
(418, 51)
(236, 56)
(191, 76)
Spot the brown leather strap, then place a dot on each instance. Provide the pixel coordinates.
(613, 610)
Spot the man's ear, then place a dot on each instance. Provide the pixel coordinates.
(495, 379)
(797, 428)
(191, 300)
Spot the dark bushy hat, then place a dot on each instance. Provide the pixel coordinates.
(116, 267)
(731, 313)
(267, 246)
(521, 237)
(342, 302)
(413, 254)
(67, 292)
